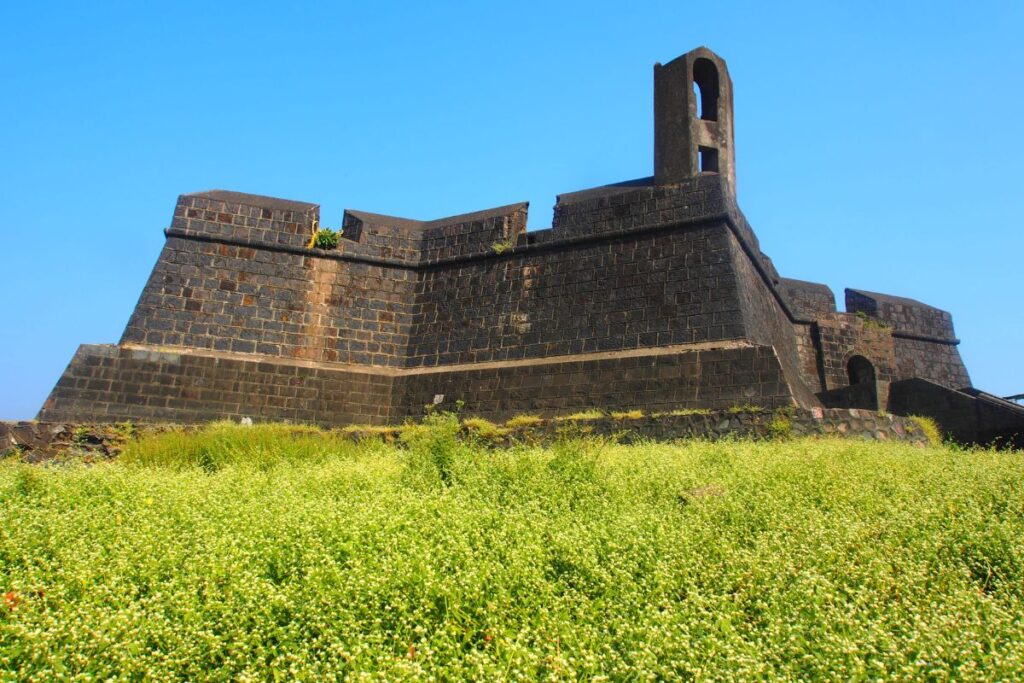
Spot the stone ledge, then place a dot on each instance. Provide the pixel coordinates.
(173, 354)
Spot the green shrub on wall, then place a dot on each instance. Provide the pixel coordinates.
(325, 238)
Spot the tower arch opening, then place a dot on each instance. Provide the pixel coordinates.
(706, 88)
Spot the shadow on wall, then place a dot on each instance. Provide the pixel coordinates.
(968, 416)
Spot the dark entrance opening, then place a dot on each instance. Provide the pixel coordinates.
(860, 370)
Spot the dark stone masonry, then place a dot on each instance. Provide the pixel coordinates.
(649, 294)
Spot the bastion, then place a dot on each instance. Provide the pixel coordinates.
(648, 294)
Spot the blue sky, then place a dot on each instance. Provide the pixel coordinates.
(879, 145)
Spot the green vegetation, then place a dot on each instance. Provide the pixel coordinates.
(582, 416)
(683, 412)
(370, 429)
(325, 238)
(930, 428)
(626, 414)
(781, 427)
(520, 421)
(484, 428)
(747, 408)
(126, 430)
(502, 247)
(14, 452)
(285, 553)
(221, 444)
(872, 322)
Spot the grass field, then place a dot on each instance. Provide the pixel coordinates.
(270, 553)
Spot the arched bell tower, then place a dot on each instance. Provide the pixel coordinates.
(693, 119)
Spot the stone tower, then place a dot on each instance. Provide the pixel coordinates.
(693, 133)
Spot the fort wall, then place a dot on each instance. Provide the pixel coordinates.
(704, 375)
(634, 286)
(767, 320)
(620, 293)
(243, 297)
(651, 293)
(925, 344)
(115, 383)
(655, 297)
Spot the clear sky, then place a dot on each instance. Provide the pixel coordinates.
(879, 145)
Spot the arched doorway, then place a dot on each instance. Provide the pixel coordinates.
(860, 370)
(862, 383)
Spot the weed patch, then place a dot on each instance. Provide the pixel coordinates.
(520, 421)
(278, 552)
(582, 416)
(485, 429)
(929, 427)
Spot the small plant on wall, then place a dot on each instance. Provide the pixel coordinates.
(325, 238)
(871, 322)
(502, 247)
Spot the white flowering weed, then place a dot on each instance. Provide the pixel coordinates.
(278, 556)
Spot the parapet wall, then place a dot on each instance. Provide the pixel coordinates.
(413, 242)
(968, 416)
(636, 205)
(808, 300)
(236, 215)
(904, 316)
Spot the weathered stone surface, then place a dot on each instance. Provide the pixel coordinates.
(39, 441)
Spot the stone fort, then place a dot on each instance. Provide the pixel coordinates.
(651, 293)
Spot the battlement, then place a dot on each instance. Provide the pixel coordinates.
(635, 205)
(808, 300)
(905, 316)
(414, 241)
(249, 217)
